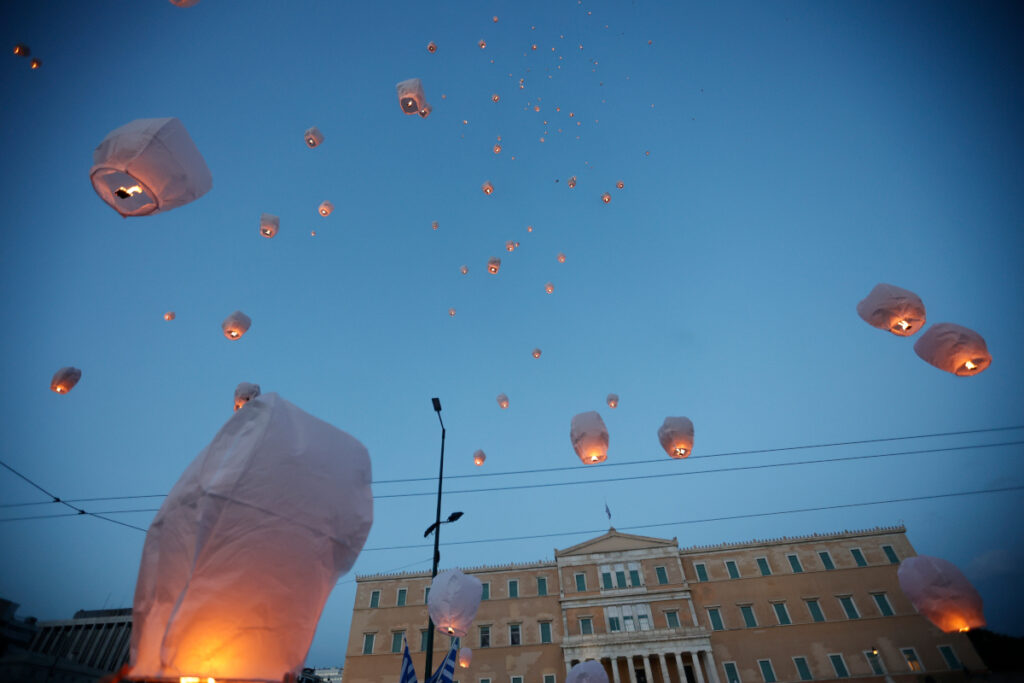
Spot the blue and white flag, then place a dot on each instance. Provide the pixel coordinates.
(408, 674)
(446, 672)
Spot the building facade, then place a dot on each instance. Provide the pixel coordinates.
(810, 608)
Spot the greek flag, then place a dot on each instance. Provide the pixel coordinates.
(408, 674)
(446, 672)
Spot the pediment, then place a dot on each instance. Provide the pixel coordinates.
(616, 542)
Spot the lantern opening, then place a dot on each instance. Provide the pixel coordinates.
(130, 195)
(903, 325)
(680, 451)
(196, 679)
(594, 457)
(969, 365)
(451, 631)
(409, 105)
(233, 333)
(267, 232)
(60, 389)
(126, 192)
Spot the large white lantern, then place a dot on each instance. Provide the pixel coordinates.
(313, 137)
(269, 225)
(148, 166)
(953, 348)
(893, 308)
(241, 557)
(235, 325)
(465, 658)
(589, 437)
(676, 436)
(65, 379)
(411, 97)
(245, 392)
(453, 601)
(590, 671)
(941, 593)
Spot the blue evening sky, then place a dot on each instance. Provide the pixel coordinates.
(779, 160)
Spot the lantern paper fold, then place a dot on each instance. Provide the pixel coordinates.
(894, 309)
(589, 437)
(590, 671)
(241, 557)
(953, 348)
(245, 392)
(453, 601)
(148, 166)
(941, 593)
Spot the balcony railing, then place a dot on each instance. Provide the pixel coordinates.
(627, 637)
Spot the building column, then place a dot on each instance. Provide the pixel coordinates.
(647, 669)
(679, 667)
(664, 668)
(568, 665)
(632, 669)
(712, 669)
(615, 669)
(693, 612)
(695, 656)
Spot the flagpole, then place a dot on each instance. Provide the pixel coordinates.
(437, 540)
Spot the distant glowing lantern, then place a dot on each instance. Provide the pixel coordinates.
(314, 137)
(495, 97)
(425, 110)
(217, 593)
(464, 269)
(561, 257)
(613, 400)
(493, 265)
(536, 353)
(487, 187)
(606, 197)
(589, 437)
(312, 233)
(65, 379)
(510, 246)
(497, 148)
(676, 436)
(940, 592)
(954, 349)
(494, 19)
(620, 184)
(482, 44)
(149, 166)
(169, 315)
(35, 63)
(572, 182)
(451, 312)
(184, 3)
(325, 208)
(892, 308)
(529, 228)
(22, 50)
(453, 601)
(590, 671)
(435, 225)
(431, 47)
(245, 392)
(235, 325)
(465, 658)
(503, 401)
(479, 457)
(269, 224)
(410, 96)
(549, 288)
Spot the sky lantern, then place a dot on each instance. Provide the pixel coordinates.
(453, 601)
(35, 63)
(620, 184)
(184, 3)
(235, 571)
(269, 224)
(497, 148)
(313, 137)
(495, 97)
(503, 401)
(954, 349)
(431, 47)
(892, 308)
(561, 257)
(589, 437)
(590, 671)
(169, 315)
(612, 400)
(676, 436)
(148, 166)
(451, 312)
(482, 43)
(465, 658)
(325, 208)
(549, 288)
(435, 225)
(65, 379)
(487, 187)
(511, 246)
(235, 325)
(245, 392)
(479, 457)
(606, 197)
(493, 265)
(572, 182)
(536, 353)
(22, 50)
(463, 269)
(941, 593)
(411, 97)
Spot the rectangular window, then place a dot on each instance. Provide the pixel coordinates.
(672, 619)
(549, 678)
(513, 588)
(767, 672)
(702, 571)
(858, 557)
(815, 609)
(732, 674)
(662, 575)
(396, 641)
(485, 636)
(781, 613)
(826, 560)
(485, 680)
(851, 609)
(368, 643)
(620, 579)
(400, 602)
(586, 626)
(794, 563)
(517, 679)
(645, 623)
(748, 616)
(515, 634)
(485, 591)
(581, 583)
(875, 662)
(734, 572)
(613, 624)
(606, 580)
(839, 665)
(882, 600)
(545, 631)
(375, 599)
(890, 554)
(802, 670)
(952, 661)
(629, 623)
(426, 594)
(542, 585)
(634, 577)
(424, 634)
(762, 564)
(715, 617)
(913, 662)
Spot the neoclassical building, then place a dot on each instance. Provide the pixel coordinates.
(815, 607)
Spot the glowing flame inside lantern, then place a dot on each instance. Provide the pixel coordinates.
(606, 198)
(266, 231)
(969, 365)
(487, 187)
(680, 451)
(903, 325)
(595, 457)
(311, 142)
(497, 149)
(233, 333)
(196, 679)
(126, 192)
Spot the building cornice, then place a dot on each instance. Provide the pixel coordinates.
(783, 540)
(480, 569)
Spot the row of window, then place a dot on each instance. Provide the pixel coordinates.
(614, 577)
(813, 605)
(513, 592)
(839, 668)
(795, 565)
(515, 637)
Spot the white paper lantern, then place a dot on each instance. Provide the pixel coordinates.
(493, 265)
(479, 457)
(325, 208)
(465, 658)
(269, 224)
(893, 308)
(503, 401)
(953, 348)
(453, 601)
(676, 436)
(245, 392)
(235, 325)
(612, 400)
(587, 672)
(941, 593)
(65, 379)
(313, 137)
(241, 557)
(589, 437)
(411, 98)
(148, 166)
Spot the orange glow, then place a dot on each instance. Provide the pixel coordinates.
(510, 246)
(493, 265)
(125, 192)
(451, 631)
(620, 184)
(478, 458)
(434, 225)
(169, 315)
(903, 325)
(312, 233)
(35, 64)
(495, 97)
(679, 451)
(196, 679)
(497, 149)
(561, 258)
(431, 47)
(606, 197)
(464, 269)
(529, 228)
(21, 50)
(549, 288)
(572, 181)
(494, 19)
(451, 312)
(595, 457)
(965, 629)
(534, 46)
(482, 44)
(536, 353)
(969, 365)
(503, 401)
(487, 187)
